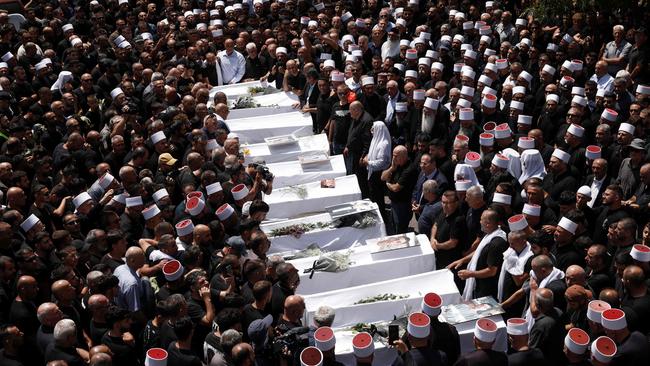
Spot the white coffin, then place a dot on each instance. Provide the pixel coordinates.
(416, 286)
(293, 173)
(286, 152)
(253, 130)
(233, 91)
(364, 269)
(286, 202)
(270, 104)
(327, 238)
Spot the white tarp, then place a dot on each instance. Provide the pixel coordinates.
(327, 239)
(253, 130)
(294, 201)
(286, 152)
(363, 269)
(291, 173)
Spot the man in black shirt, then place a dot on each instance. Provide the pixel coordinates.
(636, 296)
(180, 352)
(446, 233)
(547, 333)
(288, 281)
(118, 338)
(485, 268)
(358, 143)
(517, 329)
(324, 105)
(12, 340)
(63, 347)
(337, 127)
(400, 180)
(484, 336)
(256, 64)
(564, 250)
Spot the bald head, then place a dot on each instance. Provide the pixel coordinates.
(102, 348)
(575, 275)
(24, 281)
(610, 296)
(634, 277)
(134, 257)
(294, 306)
(98, 301)
(544, 300)
(63, 291)
(101, 359)
(241, 352)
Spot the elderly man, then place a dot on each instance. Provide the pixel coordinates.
(132, 291)
(63, 347)
(400, 179)
(547, 333)
(48, 315)
(232, 63)
(358, 143)
(604, 81)
(484, 263)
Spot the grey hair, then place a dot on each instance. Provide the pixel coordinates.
(429, 186)
(544, 302)
(474, 191)
(230, 338)
(513, 235)
(618, 27)
(324, 316)
(92, 276)
(63, 330)
(91, 238)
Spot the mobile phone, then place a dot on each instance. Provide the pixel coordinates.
(393, 333)
(229, 270)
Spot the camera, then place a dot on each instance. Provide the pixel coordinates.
(264, 171)
(294, 340)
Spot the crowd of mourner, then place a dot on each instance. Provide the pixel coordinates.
(130, 222)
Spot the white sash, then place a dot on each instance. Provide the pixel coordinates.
(514, 264)
(470, 283)
(556, 274)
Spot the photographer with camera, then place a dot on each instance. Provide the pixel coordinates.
(291, 337)
(262, 179)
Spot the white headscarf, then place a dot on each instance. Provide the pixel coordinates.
(379, 154)
(64, 77)
(514, 166)
(465, 172)
(532, 165)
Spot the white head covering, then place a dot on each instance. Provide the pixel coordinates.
(465, 172)
(532, 165)
(64, 77)
(514, 166)
(379, 147)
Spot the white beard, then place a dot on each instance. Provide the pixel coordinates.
(427, 122)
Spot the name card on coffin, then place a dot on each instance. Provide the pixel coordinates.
(350, 208)
(384, 248)
(467, 311)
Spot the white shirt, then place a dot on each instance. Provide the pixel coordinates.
(605, 82)
(131, 288)
(595, 188)
(233, 67)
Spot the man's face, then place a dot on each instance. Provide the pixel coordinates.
(449, 205)
(425, 163)
(609, 197)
